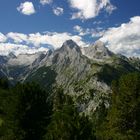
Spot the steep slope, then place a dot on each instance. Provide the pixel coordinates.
(3, 63)
(135, 62)
(86, 80)
(67, 62)
(3, 60)
(85, 75)
(97, 51)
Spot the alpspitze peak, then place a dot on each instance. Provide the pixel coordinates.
(70, 43)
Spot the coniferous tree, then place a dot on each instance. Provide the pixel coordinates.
(123, 121)
(66, 123)
(33, 111)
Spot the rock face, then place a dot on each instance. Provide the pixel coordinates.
(98, 51)
(86, 76)
(3, 60)
(16, 67)
(23, 60)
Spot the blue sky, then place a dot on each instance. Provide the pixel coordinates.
(56, 19)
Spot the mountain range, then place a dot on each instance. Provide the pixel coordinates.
(85, 74)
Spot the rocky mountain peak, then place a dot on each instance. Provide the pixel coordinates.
(70, 44)
(68, 54)
(87, 80)
(97, 51)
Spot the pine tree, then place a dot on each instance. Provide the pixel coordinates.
(33, 111)
(123, 121)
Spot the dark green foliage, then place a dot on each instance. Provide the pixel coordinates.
(4, 84)
(24, 112)
(135, 62)
(66, 123)
(123, 121)
(33, 110)
(7, 112)
(28, 112)
(44, 76)
(15, 71)
(99, 115)
(109, 73)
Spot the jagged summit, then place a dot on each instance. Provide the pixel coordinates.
(69, 52)
(70, 44)
(87, 80)
(97, 51)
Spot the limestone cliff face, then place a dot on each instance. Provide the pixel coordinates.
(97, 51)
(86, 79)
(85, 75)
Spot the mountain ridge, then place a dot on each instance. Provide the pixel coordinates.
(86, 79)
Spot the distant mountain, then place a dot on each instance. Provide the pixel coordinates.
(98, 51)
(85, 74)
(16, 67)
(3, 60)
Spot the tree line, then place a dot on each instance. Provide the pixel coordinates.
(30, 112)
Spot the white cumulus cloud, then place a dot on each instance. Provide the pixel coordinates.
(17, 37)
(97, 32)
(44, 2)
(124, 39)
(58, 11)
(87, 9)
(54, 39)
(21, 43)
(6, 48)
(81, 31)
(3, 38)
(26, 8)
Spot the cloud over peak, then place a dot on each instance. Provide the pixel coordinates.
(26, 8)
(6, 48)
(17, 37)
(35, 42)
(124, 39)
